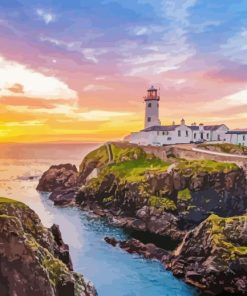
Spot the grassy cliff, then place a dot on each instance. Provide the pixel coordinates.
(129, 175)
(27, 256)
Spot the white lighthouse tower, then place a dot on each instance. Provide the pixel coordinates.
(152, 108)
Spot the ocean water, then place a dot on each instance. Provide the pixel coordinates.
(113, 271)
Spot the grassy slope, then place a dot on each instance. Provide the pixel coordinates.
(225, 148)
(207, 166)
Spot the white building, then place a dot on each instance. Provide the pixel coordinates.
(156, 134)
(237, 137)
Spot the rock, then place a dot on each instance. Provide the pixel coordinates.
(63, 197)
(133, 246)
(213, 256)
(33, 259)
(58, 178)
(111, 241)
(161, 223)
(61, 250)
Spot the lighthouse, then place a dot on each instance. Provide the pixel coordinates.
(152, 108)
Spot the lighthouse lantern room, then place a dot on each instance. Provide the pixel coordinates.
(152, 108)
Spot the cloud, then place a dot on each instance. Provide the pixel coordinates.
(100, 115)
(237, 99)
(17, 88)
(56, 109)
(171, 47)
(46, 16)
(178, 10)
(90, 54)
(145, 30)
(24, 123)
(100, 78)
(71, 112)
(235, 47)
(30, 83)
(95, 87)
(234, 100)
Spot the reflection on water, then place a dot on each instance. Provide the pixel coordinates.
(114, 272)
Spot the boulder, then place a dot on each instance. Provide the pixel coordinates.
(58, 178)
(133, 246)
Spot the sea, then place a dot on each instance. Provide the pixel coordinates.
(112, 271)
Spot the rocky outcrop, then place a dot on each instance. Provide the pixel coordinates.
(187, 190)
(213, 256)
(133, 246)
(33, 259)
(61, 250)
(62, 181)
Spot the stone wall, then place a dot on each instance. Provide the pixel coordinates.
(187, 153)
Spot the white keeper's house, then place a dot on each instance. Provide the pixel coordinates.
(158, 135)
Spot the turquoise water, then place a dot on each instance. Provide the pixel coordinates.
(113, 271)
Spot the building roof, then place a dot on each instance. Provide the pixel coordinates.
(157, 128)
(212, 127)
(237, 132)
(194, 127)
(168, 128)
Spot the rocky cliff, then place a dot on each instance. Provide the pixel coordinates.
(165, 198)
(213, 256)
(33, 259)
(172, 200)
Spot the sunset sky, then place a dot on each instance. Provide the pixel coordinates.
(77, 70)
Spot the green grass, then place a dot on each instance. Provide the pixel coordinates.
(219, 230)
(7, 201)
(56, 269)
(134, 170)
(226, 148)
(121, 153)
(184, 195)
(107, 199)
(208, 166)
(164, 203)
(98, 155)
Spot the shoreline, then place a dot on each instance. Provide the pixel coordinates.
(120, 203)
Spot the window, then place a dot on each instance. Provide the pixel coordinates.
(149, 119)
(187, 133)
(207, 135)
(149, 105)
(194, 135)
(164, 133)
(218, 137)
(179, 133)
(169, 138)
(243, 138)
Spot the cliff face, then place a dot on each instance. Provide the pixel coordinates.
(33, 259)
(141, 186)
(213, 256)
